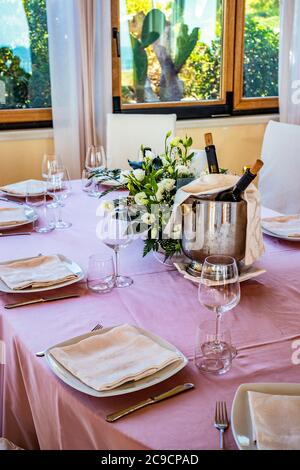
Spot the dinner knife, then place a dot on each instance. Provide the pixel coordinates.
(150, 401)
(16, 234)
(42, 300)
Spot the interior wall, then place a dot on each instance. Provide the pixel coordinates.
(237, 146)
(20, 160)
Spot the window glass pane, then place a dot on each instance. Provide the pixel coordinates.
(261, 48)
(171, 50)
(24, 63)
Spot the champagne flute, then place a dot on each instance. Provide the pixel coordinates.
(59, 187)
(115, 230)
(219, 291)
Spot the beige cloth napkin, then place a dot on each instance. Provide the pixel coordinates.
(275, 421)
(39, 272)
(20, 189)
(12, 216)
(213, 184)
(286, 226)
(108, 360)
(5, 444)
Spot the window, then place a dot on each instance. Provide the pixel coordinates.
(195, 57)
(25, 94)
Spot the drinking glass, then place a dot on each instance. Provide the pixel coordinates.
(219, 291)
(59, 187)
(36, 198)
(95, 160)
(101, 274)
(86, 181)
(115, 230)
(208, 358)
(48, 162)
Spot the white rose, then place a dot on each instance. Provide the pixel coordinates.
(167, 184)
(139, 174)
(124, 176)
(141, 199)
(148, 218)
(182, 170)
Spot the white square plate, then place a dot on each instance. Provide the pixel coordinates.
(128, 387)
(71, 265)
(240, 414)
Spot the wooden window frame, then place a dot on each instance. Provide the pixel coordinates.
(24, 116)
(231, 102)
(240, 102)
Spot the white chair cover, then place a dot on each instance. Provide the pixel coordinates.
(126, 133)
(280, 177)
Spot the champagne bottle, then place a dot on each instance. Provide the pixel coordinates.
(235, 194)
(211, 154)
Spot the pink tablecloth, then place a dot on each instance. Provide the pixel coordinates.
(40, 411)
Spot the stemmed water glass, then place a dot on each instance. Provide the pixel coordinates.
(95, 160)
(50, 161)
(115, 230)
(59, 188)
(219, 292)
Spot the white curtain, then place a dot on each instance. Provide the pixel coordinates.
(290, 62)
(80, 67)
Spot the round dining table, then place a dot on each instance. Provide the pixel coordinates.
(39, 411)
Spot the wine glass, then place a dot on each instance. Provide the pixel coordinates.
(115, 230)
(59, 187)
(48, 162)
(95, 160)
(36, 192)
(219, 291)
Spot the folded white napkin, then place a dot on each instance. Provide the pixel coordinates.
(213, 184)
(12, 216)
(275, 421)
(286, 226)
(42, 271)
(106, 361)
(20, 189)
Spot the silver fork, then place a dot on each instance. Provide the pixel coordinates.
(96, 328)
(221, 420)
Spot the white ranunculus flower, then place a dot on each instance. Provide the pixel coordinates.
(124, 176)
(167, 184)
(182, 170)
(148, 218)
(141, 199)
(149, 155)
(139, 174)
(160, 194)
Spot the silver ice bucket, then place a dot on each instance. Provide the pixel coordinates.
(214, 228)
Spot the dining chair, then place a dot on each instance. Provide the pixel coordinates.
(126, 133)
(279, 178)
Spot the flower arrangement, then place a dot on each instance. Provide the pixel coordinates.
(152, 186)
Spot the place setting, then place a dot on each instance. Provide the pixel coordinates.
(149, 229)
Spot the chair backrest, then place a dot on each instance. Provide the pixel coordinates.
(127, 132)
(279, 182)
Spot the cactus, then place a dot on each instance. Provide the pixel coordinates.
(153, 25)
(185, 45)
(157, 31)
